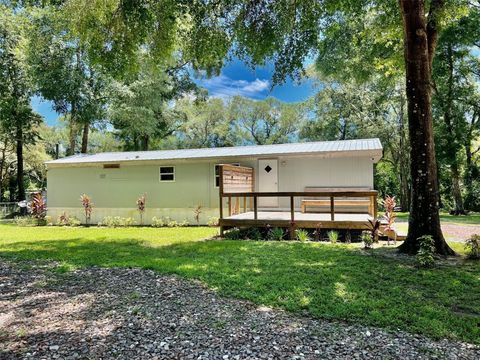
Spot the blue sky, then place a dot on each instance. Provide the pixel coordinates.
(235, 79)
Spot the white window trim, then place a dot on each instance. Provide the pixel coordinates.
(215, 174)
(160, 173)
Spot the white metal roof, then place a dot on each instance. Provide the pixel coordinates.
(371, 147)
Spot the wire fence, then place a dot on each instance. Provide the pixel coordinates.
(7, 208)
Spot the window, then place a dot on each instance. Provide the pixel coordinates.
(217, 173)
(167, 173)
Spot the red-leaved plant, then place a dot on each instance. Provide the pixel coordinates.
(38, 207)
(141, 205)
(389, 204)
(87, 207)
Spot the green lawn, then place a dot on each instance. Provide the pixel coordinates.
(323, 280)
(472, 218)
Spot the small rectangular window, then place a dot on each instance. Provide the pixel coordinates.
(167, 173)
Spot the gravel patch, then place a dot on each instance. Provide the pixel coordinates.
(100, 313)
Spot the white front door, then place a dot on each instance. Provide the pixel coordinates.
(268, 181)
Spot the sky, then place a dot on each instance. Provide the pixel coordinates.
(235, 79)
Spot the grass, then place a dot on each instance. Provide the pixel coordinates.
(472, 218)
(324, 280)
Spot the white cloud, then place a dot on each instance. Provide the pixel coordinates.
(224, 87)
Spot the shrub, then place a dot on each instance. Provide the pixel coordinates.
(65, 220)
(39, 208)
(233, 234)
(425, 258)
(213, 221)
(141, 204)
(302, 235)
(157, 222)
(276, 234)
(24, 221)
(367, 239)
(184, 223)
(87, 205)
(254, 234)
(472, 247)
(171, 223)
(333, 236)
(117, 221)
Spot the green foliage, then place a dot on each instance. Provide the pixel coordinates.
(157, 222)
(254, 234)
(302, 235)
(233, 234)
(472, 247)
(67, 220)
(25, 221)
(213, 221)
(425, 256)
(117, 221)
(333, 236)
(276, 234)
(367, 239)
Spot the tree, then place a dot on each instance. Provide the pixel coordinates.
(17, 118)
(141, 108)
(65, 75)
(266, 121)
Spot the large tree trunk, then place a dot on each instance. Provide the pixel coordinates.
(419, 40)
(86, 128)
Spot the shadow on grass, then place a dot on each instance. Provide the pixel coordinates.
(324, 281)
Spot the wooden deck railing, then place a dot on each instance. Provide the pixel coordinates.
(332, 195)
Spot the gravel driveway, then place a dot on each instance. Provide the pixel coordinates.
(139, 314)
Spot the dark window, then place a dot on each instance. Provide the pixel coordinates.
(167, 173)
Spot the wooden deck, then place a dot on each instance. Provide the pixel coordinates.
(243, 210)
(303, 220)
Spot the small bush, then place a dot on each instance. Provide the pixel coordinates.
(302, 235)
(367, 239)
(117, 221)
(157, 222)
(213, 221)
(233, 234)
(276, 234)
(141, 206)
(25, 221)
(184, 223)
(197, 211)
(254, 234)
(87, 205)
(425, 256)
(333, 236)
(472, 247)
(170, 223)
(39, 208)
(66, 220)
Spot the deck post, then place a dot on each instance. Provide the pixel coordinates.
(244, 204)
(332, 208)
(229, 205)
(292, 209)
(375, 206)
(255, 208)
